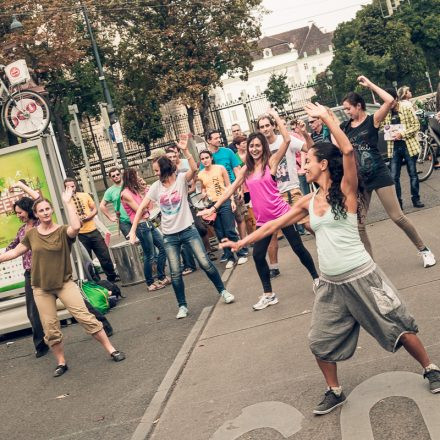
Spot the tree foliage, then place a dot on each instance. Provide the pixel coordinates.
(387, 49)
(277, 91)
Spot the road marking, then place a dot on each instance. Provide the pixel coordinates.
(284, 418)
(355, 415)
(156, 405)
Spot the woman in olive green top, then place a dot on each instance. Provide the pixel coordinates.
(51, 276)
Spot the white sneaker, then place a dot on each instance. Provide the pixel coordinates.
(230, 264)
(227, 296)
(265, 300)
(242, 260)
(428, 258)
(182, 313)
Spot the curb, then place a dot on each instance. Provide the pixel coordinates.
(154, 410)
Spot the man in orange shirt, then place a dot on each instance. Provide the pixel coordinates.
(89, 236)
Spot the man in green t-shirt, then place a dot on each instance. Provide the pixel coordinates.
(113, 195)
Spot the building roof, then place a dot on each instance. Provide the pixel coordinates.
(305, 39)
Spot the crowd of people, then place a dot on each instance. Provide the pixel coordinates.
(271, 183)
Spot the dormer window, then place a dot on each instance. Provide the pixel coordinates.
(305, 54)
(267, 53)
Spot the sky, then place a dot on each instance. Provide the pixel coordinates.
(292, 14)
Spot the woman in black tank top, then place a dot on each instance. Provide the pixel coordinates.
(362, 131)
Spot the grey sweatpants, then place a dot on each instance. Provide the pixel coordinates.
(361, 297)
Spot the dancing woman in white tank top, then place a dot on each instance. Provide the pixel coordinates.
(359, 293)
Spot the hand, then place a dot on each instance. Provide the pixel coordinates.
(235, 246)
(316, 110)
(233, 206)
(183, 142)
(206, 212)
(67, 195)
(397, 136)
(301, 127)
(272, 112)
(364, 81)
(132, 236)
(113, 218)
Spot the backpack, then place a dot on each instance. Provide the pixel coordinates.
(96, 295)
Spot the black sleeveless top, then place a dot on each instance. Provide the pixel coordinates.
(371, 167)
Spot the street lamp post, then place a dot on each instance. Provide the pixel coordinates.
(329, 75)
(111, 110)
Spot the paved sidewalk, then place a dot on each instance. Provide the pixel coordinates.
(252, 376)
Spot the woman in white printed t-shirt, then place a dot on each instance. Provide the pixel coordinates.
(170, 192)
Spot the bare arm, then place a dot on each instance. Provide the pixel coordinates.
(349, 184)
(105, 211)
(28, 190)
(296, 213)
(72, 215)
(183, 146)
(306, 135)
(18, 251)
(275, 159)
(93, 210)
(229, 191)
(132, 234)
(225, 176)
(387, 99)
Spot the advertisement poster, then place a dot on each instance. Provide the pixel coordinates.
(21, 163)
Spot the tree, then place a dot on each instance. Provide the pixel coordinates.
(380, 48)
(188, 45)
(277, 91)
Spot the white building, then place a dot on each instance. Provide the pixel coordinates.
(299, 53)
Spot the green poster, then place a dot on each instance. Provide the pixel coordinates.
(20, 164)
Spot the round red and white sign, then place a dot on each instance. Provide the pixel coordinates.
(15, 72)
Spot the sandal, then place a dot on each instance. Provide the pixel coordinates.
(117, 356)
(60, 370)
(155, 286)
(164, 282)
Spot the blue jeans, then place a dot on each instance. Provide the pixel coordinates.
(173, 244)
(303, 185)
(399, 154)
(224, 226)
(149, 237)
(188, 257)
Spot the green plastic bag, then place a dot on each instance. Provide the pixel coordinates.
(97, 296)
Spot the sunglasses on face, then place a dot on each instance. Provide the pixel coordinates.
(115, 175)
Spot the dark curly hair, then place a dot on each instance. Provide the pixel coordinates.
(335, 197)
(130, 180)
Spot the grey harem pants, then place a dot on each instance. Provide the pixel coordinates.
(362, 297)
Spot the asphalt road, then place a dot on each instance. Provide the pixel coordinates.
(98, 399)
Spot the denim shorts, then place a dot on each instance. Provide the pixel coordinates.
(362, 297)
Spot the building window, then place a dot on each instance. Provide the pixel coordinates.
(258, 89)
(318, 51)
(234, 115)
(229, 96)
(306, 66)
(267, 53)
(305, 54)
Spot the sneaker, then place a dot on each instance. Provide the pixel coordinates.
(434, 380)
(265, 301)
(227, 296)
(223, 258)
(212, 256)
(242, 260)
(330, 402)
(117, 356)
(60, 370)
(273, 273)
(187, 271)
(245, 251)
(230, 264)
(182, 313)
(428, 258)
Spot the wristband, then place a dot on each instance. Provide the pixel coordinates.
(215, 209)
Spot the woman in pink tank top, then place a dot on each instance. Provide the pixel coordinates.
(259, 175)
(131, 197)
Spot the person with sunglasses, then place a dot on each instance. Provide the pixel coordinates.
(113, 195)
